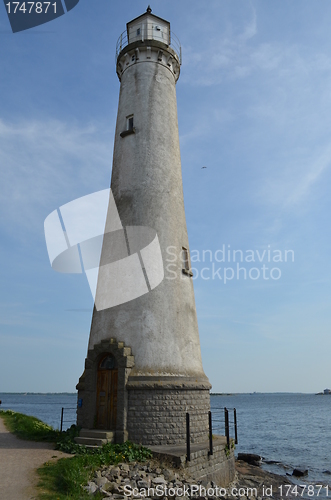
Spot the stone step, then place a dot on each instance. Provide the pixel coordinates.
(89, 441)
(98, 434)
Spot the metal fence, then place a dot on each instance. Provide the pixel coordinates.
(221, 421)
(226, 418)
(72, 420)
(148, 34)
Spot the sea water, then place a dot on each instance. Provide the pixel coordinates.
(46, 407)
(287, 430)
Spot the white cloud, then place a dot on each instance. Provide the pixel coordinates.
(46, 163)
(250, 29)
(225, 54)
(283, 100)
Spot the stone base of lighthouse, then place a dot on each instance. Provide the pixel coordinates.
(147, 410)
(157, 409)
(150, 411)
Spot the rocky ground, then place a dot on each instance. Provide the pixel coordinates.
(154, 481)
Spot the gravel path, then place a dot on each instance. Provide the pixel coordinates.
(18, 463)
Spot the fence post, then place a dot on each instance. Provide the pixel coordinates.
(227, 431)
(210, 452)
(188, 443)
(61, 419)
(235, 426)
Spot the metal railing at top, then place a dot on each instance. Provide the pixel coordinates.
(148, 34)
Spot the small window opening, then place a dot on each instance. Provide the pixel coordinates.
(129, 122)
(186, 262)
(129, 128)
(108, 363)
(185, 259)
(133, 58)
(138, 31)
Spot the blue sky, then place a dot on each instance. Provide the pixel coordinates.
(254, 107)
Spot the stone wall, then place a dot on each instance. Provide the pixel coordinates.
(158, 416)
(218, 467)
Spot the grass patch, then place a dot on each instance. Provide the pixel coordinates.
(64, 479)
(30, 428)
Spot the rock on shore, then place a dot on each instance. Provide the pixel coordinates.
(250, 458)
(156, 481)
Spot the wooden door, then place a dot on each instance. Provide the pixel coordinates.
(107, 394)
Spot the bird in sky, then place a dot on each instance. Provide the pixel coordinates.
(203, 167)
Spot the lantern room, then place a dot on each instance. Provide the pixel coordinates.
(148, 27)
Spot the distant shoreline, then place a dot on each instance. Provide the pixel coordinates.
(259, 393)
(24, 393)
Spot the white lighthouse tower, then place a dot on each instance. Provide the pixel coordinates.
(143, 369)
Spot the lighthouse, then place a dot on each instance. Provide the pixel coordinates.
(143, 370)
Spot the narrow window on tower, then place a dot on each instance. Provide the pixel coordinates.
(186, 262)
(129, 129)
(129, 122)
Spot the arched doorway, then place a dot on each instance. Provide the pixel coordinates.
(107, 393)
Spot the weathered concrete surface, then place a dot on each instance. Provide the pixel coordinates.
(161, 326)
(19, 461)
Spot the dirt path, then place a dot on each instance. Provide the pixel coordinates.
(18, 463)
